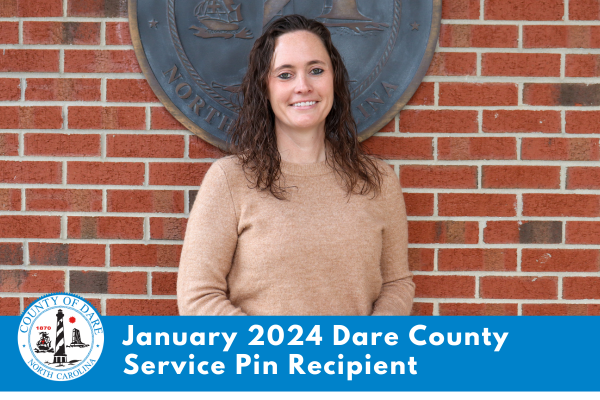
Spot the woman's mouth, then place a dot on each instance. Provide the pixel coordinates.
(304, 104)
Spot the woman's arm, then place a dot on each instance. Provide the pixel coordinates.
(208, 248)
(398, 289)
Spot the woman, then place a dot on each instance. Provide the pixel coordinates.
(299, 221)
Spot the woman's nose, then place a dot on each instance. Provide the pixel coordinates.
(303, 84)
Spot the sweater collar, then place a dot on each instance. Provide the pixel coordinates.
(318, 168)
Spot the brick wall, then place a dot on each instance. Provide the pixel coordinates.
(497, 152)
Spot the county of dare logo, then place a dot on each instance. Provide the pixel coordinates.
(60, 336)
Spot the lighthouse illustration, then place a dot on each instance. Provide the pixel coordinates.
(60, 356)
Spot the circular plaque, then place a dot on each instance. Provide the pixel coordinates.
(194, 53)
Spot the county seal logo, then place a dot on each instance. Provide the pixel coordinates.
(60, 336)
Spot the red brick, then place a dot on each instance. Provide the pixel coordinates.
(584, 65)
(117, 33)
(420, 259)
(200, 148)
(587, 10)
(145, 146)
(419, 203)
(101, 61)
(96, 303)
(583, 178)
(150, 201)
(30, 172)
(541, 232)
(560, 260)
(108, 282)
(10, 88)
(9, 144)
(29, 60)
(162, 119)
(97, 8)
(105, 173)
(9, 32)
(555, 36)
(424, 96)
(63, 254)
(458, 35)
(565, 94)
(11, 253)
(460, 232)
(521, 121)
(31, 8)
(478, 94)
(560, 149)
(541, 94)
(460, 9)
(390, 126)
(105, 228)
(518, 287)
(478, 309)
(151, 307)
(561, 205)
(58, 144)
(62, 89)
(168, 228)
(582, 232)
(181, 174)
(582, 122)
(477, 205)
(56, 32)
(581, 287)
(164, 283)
(434, 121)
(141, 255)
(520, 64)
(388, 147)
(63, 200)
(10, 200)
(9, 8)
(88, 281)
(14, 117)
(9, 306)
(444, 286)
(422, 309)
(477, 260)
(529, 10)
(128, 282)
(477, 148)
(107, 117)
(40, 8)
(129, 90)
(14, 280)
(561, 309)
(447, 176)
(453, 64)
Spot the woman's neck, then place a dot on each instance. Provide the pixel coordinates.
(301, 147)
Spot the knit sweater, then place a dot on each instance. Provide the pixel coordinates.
(319, 252)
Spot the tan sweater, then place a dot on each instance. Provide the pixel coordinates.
(319, 252)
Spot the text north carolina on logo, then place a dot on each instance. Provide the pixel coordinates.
(60, 336)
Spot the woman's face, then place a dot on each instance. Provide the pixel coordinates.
(300, 82)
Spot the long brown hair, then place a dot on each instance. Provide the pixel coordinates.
(253, 139)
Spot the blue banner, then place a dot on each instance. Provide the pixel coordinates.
(315, 354)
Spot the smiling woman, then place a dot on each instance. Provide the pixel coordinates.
(299, 220)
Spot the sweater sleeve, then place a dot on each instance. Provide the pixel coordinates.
(208, 249)
(398, 289)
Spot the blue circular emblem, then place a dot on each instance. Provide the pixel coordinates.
(60, 336)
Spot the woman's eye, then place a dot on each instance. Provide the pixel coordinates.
(317, 71)
(285, 75)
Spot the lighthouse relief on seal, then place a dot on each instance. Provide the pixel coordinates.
(60, 336)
